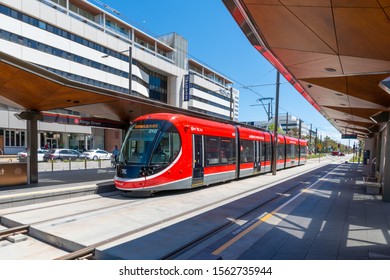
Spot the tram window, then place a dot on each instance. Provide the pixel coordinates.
(303, 151)
(220, 151)
(281, 153)
(267, 152)
(293, 151)
(228, 151)
(289, 151)
(247, 151)
(212, 149)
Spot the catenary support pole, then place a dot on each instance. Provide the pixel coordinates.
(274, 153)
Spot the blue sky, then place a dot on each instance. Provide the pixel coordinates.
(216, 41)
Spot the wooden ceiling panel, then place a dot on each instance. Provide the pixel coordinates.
(308, 64)
(364, 87)
(318, 20)
(353, 65)
(356, 3)
(384, 3)
(362, 32)
(289, 33)
(307, 3)
(363, 113)
(262, 2)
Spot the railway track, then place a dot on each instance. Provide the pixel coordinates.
(88, 252)
(278, 199)
(100, 224)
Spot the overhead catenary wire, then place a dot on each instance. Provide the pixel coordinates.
(240, 84)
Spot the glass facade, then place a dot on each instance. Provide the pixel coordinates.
(157, 83)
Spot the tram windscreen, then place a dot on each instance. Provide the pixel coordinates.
(151, 142)
(139, 140)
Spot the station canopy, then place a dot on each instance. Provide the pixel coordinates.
(336, 53)
(26, 86)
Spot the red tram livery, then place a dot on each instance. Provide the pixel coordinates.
(172, 151)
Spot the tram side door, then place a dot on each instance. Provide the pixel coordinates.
(197, 160)
(257, 166)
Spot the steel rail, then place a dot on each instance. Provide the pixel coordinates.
(186, 247)
(88, 251)
(14, 230)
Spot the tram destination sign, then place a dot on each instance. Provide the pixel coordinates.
(349, 136)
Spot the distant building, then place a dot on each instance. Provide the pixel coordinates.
(211, 93)
(286, 122)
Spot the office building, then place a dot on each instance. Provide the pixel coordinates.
(287, 122)
(88, 44)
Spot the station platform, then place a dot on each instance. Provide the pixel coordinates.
(55, 185)
(329, 217)
(333, 218)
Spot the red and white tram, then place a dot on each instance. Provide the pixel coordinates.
(171, 151)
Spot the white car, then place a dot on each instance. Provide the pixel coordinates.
(22, 156)
(97, 154)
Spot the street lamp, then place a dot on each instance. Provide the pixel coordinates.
(130, 66)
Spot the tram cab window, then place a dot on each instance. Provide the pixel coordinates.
(167, 146)
(138, 142)
(151, 142)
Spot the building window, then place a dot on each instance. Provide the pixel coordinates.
(158, 87)
(15, 138)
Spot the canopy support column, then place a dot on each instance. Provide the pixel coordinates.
(386, 168)
(32, 118)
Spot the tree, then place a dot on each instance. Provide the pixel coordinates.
(271, 128)
(294, 132)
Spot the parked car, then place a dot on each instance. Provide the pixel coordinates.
(22, 156)
(97, 154)
(62, 154)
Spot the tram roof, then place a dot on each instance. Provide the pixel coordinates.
(334, 52)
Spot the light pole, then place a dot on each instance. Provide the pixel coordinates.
(231, 104)
(130, 67)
